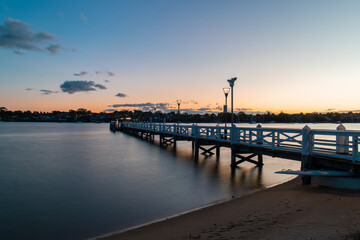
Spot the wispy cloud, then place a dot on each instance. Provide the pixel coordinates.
(98, 73)
(100, 86)
(80, 86)
(47, 92)
(107, 73)
(19, 53)
(244, 109)
(42, 91)
(143, 106)
(120, 95)
(83, 17)
(54, 48)
(81, 74)
(61, 14)
(19, 36)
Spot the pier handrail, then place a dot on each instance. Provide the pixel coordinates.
(342, 144)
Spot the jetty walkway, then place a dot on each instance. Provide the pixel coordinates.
(316, 149)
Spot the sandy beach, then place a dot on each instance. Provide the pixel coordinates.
(287, 211)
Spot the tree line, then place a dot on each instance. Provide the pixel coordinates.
(84, 115)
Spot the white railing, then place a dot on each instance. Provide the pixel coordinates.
(332, 143)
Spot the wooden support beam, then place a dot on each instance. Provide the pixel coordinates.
(196, 145)
(247, 159)
(207, 151)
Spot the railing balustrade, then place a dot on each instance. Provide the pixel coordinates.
(333, 143)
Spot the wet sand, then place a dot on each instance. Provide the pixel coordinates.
(287, 211)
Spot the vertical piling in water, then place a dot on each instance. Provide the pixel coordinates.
(305, 154)
(342, 142)
(260, 160)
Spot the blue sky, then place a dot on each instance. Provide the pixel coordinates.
(292, 56)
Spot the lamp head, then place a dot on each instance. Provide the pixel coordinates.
(231, 81)
(178, 101)
(226, 90)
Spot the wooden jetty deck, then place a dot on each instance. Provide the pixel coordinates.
(316, 149)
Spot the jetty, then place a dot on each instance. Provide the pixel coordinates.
(315, 148)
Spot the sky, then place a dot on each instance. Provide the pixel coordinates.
(289, 56)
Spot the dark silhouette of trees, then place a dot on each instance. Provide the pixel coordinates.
(84, 115)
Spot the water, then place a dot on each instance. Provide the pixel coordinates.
(79, 180)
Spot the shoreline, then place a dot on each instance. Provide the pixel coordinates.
(288, 210)
(110, 234)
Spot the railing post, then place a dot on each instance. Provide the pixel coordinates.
(342, 142)
(259, 135)
(218, 132)
(233, 146)
(196, 140)
(305, 154)
(355, 150)
(232, 135)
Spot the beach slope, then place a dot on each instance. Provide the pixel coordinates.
(287, 211)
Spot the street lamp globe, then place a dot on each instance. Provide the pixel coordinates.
(226, 90)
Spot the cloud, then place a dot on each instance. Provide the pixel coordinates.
(87, 73)
(164, 107)
(107, 73)
(107, 81)
(110, 110)
(17, 35)
(81, 74)
(42, 91)
(80, 86)
(120, 95)
(100, 86)
(47, 92)
(144, 106)
(111, 74)
(83, 17)
(54, 48)
(244, 109)
(330, 109)
(205, 109)
(193, 101)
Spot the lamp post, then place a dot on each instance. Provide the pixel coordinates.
(178, 103)
(231, 83)
(226, 92)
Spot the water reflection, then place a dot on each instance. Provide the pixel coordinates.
(243, 177)
(79, 180)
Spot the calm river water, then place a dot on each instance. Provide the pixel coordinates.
(79, 180)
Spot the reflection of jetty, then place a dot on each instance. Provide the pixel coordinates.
(316, 149)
